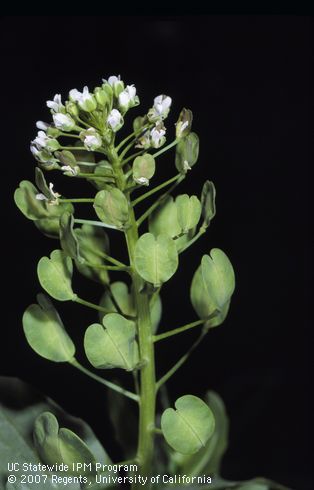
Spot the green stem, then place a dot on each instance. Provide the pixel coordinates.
(155, 189)
(110, 385)
(193, 240)
(113, 260)
(179, 363)
(145, 449)
(175, 331)
(131, 157)
(107, 267)
(94, 223)
(91, 305)
(130, 136)
(158, 202)
(83, 199)
(94, 177)
(166, 148)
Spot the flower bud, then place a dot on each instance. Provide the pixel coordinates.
(63, 121)
(85, 100)
(116, 84)
(115, 120)
(71, 108)
(102, 96)
(42, 141)
(53, 132)
(56, 104)
(128, 98)
(92, 140)
(157, 136)
(184, 123)
(161, 108)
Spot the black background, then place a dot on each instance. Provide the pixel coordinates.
(246, 79)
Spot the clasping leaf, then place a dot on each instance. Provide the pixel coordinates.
(156, 259)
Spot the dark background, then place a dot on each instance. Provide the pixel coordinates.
(247, 81)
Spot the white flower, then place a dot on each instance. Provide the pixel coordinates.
(162, 105)
(144, 141)
(73, 171)
(35, 151)
(56, 104)
(127, 98)
(42, 141)
(157, 136)
(115, 120)
(42, 125)
(85, 99)
(63, 121)
(113, 80)
(142, 181)
(92, 140)
(52, 199)
(186, 166)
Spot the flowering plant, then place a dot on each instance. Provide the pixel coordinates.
(183, 445)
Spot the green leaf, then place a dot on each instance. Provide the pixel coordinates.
(44, 214)
(20, 405)
(203, 304)
(143, 168)
(45, 331)
(208, 202)
(68, 239)
(155, 259)
(111, 207)
(112, 345)
(93, 243)
(188, 211)
(164, 220)
(188, 428)
(56, 445)
(187, 152)
(208, 459)
(126, 303)
(218, 277)
(55, 275)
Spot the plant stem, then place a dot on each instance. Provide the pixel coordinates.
(81, 199)
(166, 148)
(131, 157)
(109, 384)
(94, 223)
(193, 240)
(91, 305)
(175, 331)
(158, 202)
(180, 362)
(107, 267)
(145, 449)
(155, 189)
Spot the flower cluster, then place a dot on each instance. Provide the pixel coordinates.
(92, 119)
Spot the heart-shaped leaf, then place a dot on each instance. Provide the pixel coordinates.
(188, 428)
(56, 445)
(111, 207)
(218, 277)
(156, 259)
(188, 211)
(45, 331)
(187, 153)
(55, 275)
(208, 202)
(203, 303)
(113, 344)
(119, 296)
(208, 460)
